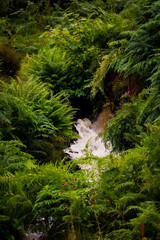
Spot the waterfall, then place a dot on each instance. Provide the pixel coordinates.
(89, 136)
(89, 140)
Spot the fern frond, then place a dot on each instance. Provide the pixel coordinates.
(99, 76)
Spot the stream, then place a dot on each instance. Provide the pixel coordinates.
(89, 141)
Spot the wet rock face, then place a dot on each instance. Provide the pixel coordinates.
(103, 117)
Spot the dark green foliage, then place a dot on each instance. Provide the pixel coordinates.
(124, 122)
(14, 204)
(12, 158)
(135, 58)
(54, 190)
(122, 130)
(124, 201)
(71, 59)
(118, 198)
(12, 6)
(131, 188)
(49, 66)
(31, 113)
(85, 8)
(5, 6)
(10, 61)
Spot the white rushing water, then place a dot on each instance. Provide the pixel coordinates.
(89, 141)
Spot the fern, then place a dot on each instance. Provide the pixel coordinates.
(97, 82)
(86, 8)
(100, 78)
(123, 234)
(45, 109)
(150, 217)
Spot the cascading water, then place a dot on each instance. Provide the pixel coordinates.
(89, 136)
(89, 140)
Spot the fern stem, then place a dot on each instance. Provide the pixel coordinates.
(73, 235)
(99, 229)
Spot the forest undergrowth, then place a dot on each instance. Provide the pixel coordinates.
(54, 56)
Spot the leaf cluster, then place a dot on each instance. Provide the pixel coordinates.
(32, 114)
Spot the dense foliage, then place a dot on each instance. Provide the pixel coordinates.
(31, 113)
(53, 55)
